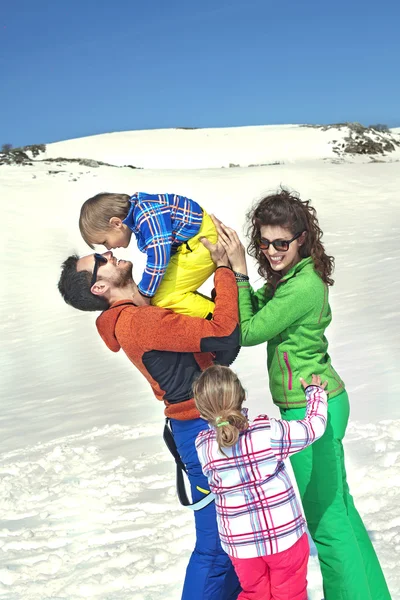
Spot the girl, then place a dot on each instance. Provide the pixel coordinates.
(291, 312)
(259, 518)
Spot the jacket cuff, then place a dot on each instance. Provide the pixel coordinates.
(312, 386)
(143, 293)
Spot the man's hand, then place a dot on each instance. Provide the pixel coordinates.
(217, 252)
(233, 246)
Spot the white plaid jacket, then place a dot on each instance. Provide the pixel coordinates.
(258, 512)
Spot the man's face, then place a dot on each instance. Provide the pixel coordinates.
(116, 272)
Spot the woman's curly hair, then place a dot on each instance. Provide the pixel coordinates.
(286, 209)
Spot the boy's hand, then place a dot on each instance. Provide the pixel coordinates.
(315, 380)
(217, 252)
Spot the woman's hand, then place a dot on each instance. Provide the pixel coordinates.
(233, 246)
(315, 380)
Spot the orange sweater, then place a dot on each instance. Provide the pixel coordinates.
(171, 349)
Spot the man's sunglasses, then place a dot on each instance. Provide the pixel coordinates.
(279, 245)
(99, 259)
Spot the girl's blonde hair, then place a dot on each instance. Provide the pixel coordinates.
(219, 396)
(97, 211)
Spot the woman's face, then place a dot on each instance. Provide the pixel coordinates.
(281, 260)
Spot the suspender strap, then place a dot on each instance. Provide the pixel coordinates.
(180, 470)
(170, 441)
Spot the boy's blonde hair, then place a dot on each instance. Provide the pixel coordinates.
(219, 396)
(97, 211)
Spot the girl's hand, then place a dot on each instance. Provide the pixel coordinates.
(233, 246)
(315, 380)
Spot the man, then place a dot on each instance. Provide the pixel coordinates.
(170, 350)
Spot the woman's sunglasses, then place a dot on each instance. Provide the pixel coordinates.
(279, 245)
(99, 259)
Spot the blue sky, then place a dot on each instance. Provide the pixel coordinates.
(79, 67)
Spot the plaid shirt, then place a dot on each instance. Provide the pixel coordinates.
(161, 223)
(258, 512)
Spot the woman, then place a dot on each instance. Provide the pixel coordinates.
(291, 312)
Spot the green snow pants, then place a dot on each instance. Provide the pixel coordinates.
(350, 568)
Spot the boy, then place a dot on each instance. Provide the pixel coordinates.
(167, 228)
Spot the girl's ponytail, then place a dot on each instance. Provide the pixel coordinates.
(219, 396)
(228, 425)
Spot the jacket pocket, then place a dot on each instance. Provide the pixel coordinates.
(289, 370)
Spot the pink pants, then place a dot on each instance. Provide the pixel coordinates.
(281, 576)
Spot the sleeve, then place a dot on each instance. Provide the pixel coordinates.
(289, 304)
(174, 332)
(201, 444)
(259, 298)
(155, 225)
(289, 437)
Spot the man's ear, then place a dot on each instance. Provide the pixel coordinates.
(100, 288)
(115, 223)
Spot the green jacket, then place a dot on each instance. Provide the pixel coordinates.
(293, 322)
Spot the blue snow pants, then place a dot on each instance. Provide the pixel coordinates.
(210, 574)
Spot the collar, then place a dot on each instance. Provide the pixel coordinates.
(297, 268)
(129, 219)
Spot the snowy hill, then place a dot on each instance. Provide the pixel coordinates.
(87, 495)
(201, 148)
(241, 146)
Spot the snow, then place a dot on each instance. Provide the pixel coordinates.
(87, 486)
(206, 148)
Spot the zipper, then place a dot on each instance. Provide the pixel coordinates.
(278, 355)
(286, 359)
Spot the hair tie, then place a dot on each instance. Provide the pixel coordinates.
(222, 422)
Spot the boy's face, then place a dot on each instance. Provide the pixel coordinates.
(118, 235)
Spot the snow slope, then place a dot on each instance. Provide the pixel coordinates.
(94, 514)
(207, 148)
(87, 493)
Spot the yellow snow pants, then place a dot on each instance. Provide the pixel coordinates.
(187, 270)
